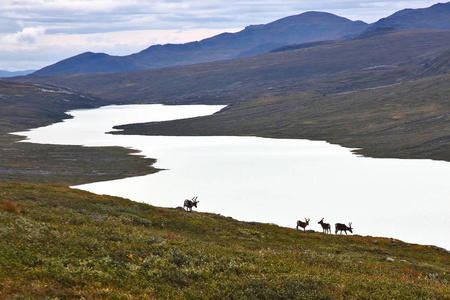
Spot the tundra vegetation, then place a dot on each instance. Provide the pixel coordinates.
(65, 243)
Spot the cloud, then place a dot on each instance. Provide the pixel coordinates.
(89, 16)
(30, 35)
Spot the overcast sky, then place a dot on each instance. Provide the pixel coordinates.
(36, 33)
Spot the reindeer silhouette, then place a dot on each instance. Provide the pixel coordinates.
(342, 227)
(325, 226)
(302, 224)
(190, 203)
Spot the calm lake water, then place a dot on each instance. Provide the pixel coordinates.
(268, 180)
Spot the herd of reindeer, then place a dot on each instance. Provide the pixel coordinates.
(327, 227)
(189, 204)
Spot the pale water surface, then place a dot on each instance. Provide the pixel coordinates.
(268, 180)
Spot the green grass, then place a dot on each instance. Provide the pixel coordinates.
(67, 243)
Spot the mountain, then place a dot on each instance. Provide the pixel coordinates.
(255, 39)
(434, 17)
(16, 73)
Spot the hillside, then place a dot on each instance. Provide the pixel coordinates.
(68, 244)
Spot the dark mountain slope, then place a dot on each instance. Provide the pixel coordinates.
(434, 17)
(88, 62)
(306, 27)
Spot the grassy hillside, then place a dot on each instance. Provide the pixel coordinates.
(62, 243)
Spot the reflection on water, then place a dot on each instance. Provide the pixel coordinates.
(268, 180)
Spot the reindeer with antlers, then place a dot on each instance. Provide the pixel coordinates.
(302, 224)
(190, 203)
(342, 227)
(325, 226)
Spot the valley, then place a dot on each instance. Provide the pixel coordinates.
(381, 89)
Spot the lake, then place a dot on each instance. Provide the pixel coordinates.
(266, 180)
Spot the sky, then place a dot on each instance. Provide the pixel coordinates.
(37, 33)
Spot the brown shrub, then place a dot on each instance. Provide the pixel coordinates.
(10, 206)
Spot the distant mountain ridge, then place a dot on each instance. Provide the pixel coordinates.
(309, 27)
(254, 39)
(15, 73)
(434, 17)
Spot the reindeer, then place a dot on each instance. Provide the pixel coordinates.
(325, 226)
(342, 227)
(190, 203)
(302, 224)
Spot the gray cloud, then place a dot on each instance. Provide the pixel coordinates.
(82, 16)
